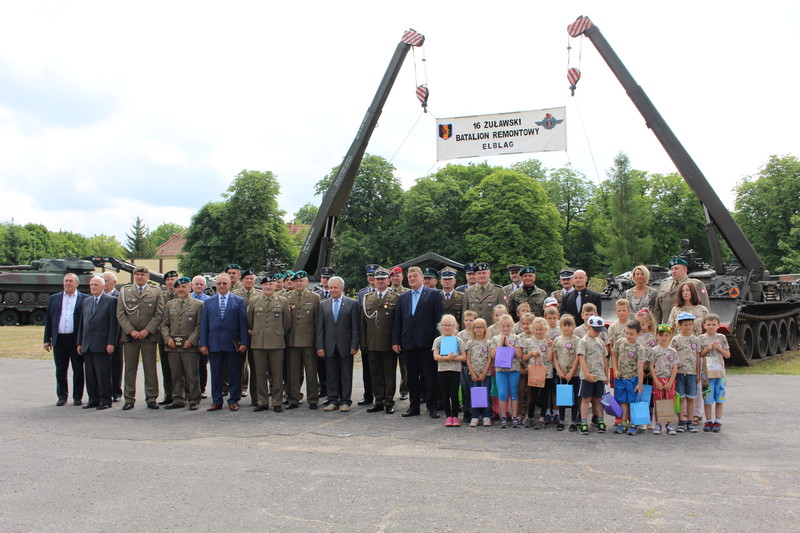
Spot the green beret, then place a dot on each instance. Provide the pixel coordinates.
(299, 275)
(182, 280)
(528, 270)
(677, 261)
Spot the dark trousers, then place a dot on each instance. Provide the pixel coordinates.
(98, 377)
(339, 370)
(403, 379)
(116, 372)
(166, 372)
(322, 377)
(421, 374)
(64, 354)
(202, 363)
(366, 376)
(232, 362)
(576, 407)
(448, 387)
(383, 367)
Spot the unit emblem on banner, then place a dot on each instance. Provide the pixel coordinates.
(549, 122)
(445, 131)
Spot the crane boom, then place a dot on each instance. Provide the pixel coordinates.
(316, 251)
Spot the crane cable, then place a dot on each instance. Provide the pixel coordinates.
(573, 75)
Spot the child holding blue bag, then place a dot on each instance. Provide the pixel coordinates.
(448, 351)
(477, 349)
(627, 361)
(565, 363)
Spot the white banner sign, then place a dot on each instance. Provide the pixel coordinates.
(542, 130)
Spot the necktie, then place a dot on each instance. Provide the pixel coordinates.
(578, 302)
(335, 310)
(327, 294)
(223, 301)
(414, 300)
(140, 290)
(483, 290)
(447, 296)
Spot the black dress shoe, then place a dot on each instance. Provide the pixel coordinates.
(390, 410)
(375, 409)
(90, 405)
(259, 408)
(411, 412)
(152, 405)
(313, 406)
(364, 402)
(277, 408)
(174, 405)
(404, 396)
(193, 407)
(61, 402)
(434, 414)
(165, 401)
(77, 403)
(103, 406)
(292, 406)
(127, 407)
(254, 402)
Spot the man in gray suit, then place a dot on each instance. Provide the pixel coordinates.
(338, 328)
(97, 339)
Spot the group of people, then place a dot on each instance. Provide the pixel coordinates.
(475, 338)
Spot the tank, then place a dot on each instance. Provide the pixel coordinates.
(759, 317)
(26, 289)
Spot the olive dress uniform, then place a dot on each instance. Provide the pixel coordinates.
(302, 354)
(483, 299)
(270, 320)
(140, 311)
(166, 370)
(453, 304)
(248, 363)
(377, 321)
(535, 299)
(182, 318)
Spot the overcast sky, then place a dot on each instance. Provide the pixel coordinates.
(112, 110)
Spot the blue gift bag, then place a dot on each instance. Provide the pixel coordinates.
(647, 393)
(564, 395)
(640, 413)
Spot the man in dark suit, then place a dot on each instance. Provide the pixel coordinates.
(98, 334)
(580, 295)
(224, 338)
(338, 330)
(116, 358)
(418, 313)
(61, 334)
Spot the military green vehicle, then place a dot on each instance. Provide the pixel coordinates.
(26, 289)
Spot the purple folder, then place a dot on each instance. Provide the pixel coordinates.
(504, 357)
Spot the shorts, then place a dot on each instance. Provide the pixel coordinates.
(588, 389)
(686, 385)
(625, 390)
(715, 392)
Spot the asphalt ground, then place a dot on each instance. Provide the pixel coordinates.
(69, 469)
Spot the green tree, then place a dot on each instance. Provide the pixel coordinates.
(306, 214)
(104, 245)
(532, 168)
(676, 214)
(572, 193)
(163, 233)
(138, 244)
(790, 245)
(206, 247)
(511, 220)
(766, 205)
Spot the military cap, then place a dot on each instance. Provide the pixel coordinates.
(381, 273)
(596, 323)
(396, 270)
(677, 261)
(278, 275)
(182, 280)
(528, 270)
(469, 268)
(248, 272)
(268, 279)
(447, 274)
(430, 272)
(300, 274)
(171, 274)
(288, 274)
(664, 327)
(327, 272)
(685, 316)
(480, 267)
(232, 266)
(550, 301)
(514, 268)
(371, 268)
(566, 273)
(141, 268)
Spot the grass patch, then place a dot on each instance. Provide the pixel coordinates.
(23, 342)
(787, 364)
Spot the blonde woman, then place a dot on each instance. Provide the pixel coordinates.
(641, 295)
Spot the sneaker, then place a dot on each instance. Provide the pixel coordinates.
(515, 422)
(503, 422)
(573, 427)
(708, 426)
(474, 422)
(690, 427)
(644, 428)
(632, 430)
(601, 427)
(620, 429)
(584, 429)
(539, 424)
(456, 422)
(449, 422)
(681, 426)
(657, 429)
(560, 426)
(487, 421)
(717, 427)
(671, 430)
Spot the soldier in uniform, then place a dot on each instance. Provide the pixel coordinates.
(269, 321)
(235, 272)
(430, 277)
(180, 330)
(484, 295)
(453, 300)
(528, 293)
(516, 280)
(366, 375)
(565, 278)
(396, 280)
(668, 291)
(139, 310)
(247, 291)
(278, 282)
(169, 293)
(469, 272)
(304, 306)
(288, 283)
(325, 273)
(377, 321)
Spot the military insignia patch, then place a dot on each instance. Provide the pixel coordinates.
(549, 122)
